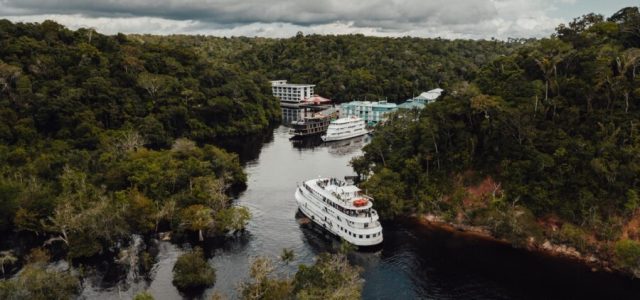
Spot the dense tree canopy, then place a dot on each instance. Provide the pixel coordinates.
(105, 136)
(555, 124)
(355, 67)
(71, 85)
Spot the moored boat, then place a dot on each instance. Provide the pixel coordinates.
(315, 125)
(340, 208)
(345, 128)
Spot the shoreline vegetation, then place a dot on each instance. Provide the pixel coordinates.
(540, 150)
(546, 248)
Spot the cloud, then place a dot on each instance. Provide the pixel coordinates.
(280, 18)
(251, 11)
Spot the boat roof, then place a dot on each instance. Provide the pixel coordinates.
(341, 189)
(347, 189)
(382, 103)
(295, 85)
(346, 120)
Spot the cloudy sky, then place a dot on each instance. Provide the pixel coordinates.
(474, 19)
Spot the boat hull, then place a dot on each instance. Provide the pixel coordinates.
(343, 137)
(322, 217)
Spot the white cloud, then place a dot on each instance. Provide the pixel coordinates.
(278, 18)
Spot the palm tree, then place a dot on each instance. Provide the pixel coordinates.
(626, 62)
(621, 77)
(554, 52)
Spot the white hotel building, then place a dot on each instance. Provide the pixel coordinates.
(291, 94)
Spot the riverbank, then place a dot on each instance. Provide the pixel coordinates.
(546, 247)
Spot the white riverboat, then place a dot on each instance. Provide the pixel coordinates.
(345, 128)
(340, 208)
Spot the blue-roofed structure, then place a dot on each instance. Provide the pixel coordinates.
(371, 112)
(422, 100)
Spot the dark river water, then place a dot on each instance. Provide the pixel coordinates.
(414, 262)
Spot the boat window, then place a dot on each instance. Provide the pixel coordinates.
(360, 236)
(368, 236)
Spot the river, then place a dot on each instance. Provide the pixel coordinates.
(414, 262)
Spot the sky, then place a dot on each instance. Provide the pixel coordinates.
(451, 19)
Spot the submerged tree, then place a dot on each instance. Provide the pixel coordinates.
(35, 281)
(197, 218)
(192, 271)
(330, 277)
(263, 285)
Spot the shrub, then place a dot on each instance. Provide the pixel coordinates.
(263, 283)
(515, 224)
(574, 235)
(192, 271)
(628, 253)
(331, 277)
(34, 282)
(143, 296)
(233, 218)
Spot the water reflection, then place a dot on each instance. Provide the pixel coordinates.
(348, 146)
(320, 240)
(336, 148)
(291, 114)
(248, 148)
(308, 142)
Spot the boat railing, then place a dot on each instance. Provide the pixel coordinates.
(366, 214)
(365, 225)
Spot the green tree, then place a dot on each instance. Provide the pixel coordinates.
(142, 212)
(388, 189)
(197, 218)
(192, 271)
(233, 218)
(628, 254)
(9, 204)
(143, 296)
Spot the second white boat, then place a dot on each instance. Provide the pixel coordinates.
(345, 128)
